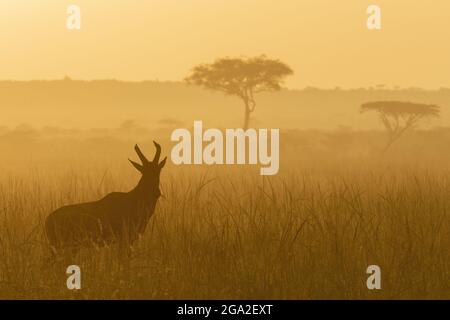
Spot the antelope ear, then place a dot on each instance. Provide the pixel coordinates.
(136, 165)
(162, 163)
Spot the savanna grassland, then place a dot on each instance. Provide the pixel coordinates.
(337, 206)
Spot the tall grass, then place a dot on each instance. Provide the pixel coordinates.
(230, 233)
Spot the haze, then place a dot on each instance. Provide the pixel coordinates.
(326, 44)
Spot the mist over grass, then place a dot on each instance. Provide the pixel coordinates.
(109, 103)
(337, 206)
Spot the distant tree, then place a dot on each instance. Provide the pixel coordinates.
(241, 77)
(397, 117)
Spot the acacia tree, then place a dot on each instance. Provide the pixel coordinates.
(398, 117)
(241, 77)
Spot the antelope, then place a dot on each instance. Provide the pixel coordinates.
(119, 217)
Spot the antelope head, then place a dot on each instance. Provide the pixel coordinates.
(150, 171)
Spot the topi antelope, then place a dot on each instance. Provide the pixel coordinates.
(119, 217)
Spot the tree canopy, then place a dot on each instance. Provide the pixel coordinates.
(402, 109)
(242, 77)
(398, 116)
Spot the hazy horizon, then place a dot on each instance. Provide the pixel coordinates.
(379, 87)
(111, 103)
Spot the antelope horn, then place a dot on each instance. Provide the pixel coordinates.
(141, 155)
(158, 152)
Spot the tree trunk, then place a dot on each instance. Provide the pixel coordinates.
(392, 138)
(389, 144)
(247, 115)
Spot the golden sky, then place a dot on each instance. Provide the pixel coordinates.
(326, 42)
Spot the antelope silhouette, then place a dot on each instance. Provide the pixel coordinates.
(119, 217)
